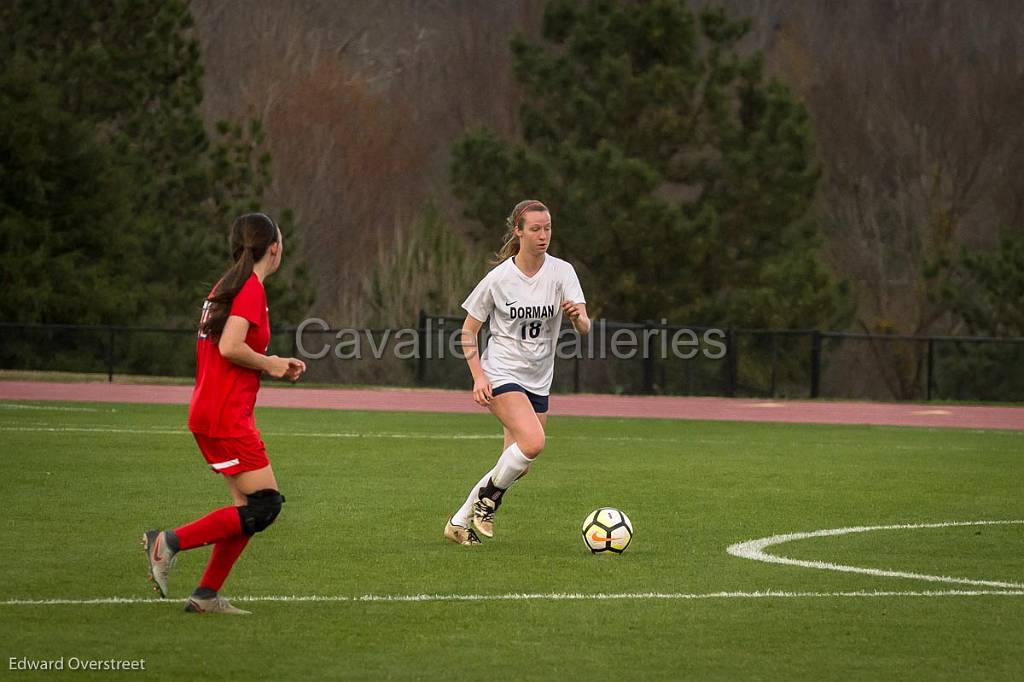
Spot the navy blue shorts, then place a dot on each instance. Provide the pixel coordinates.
(539, 402)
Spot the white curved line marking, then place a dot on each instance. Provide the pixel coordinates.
(754, 549)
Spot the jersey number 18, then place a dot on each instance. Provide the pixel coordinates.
(533, 327)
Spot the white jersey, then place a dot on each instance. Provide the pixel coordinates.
(526, 315)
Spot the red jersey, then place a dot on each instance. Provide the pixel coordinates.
(225, 393)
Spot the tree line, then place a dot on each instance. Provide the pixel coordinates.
(682, 177)
(114, 198)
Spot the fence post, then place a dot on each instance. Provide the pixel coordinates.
(931, 369)
(648, 385)
(774, 360)
(576, 371)
(110, 355)
(815, 363)
(421, 355)
(731, 363)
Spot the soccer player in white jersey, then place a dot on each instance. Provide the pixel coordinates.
(525, 296)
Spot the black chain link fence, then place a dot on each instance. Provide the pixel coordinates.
(621, 358)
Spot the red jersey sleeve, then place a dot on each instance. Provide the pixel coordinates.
(251, 301)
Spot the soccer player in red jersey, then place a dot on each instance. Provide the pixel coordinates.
(234, 333)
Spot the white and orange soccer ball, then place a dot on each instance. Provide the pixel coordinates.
(607, 530)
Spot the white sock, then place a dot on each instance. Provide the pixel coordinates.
(509, 467)
(465, 512)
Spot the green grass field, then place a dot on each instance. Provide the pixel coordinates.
(368, 494)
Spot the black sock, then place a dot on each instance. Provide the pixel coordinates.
(492, 491)
(172, 541)
(204, 593)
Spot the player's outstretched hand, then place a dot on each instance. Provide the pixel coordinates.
(482, 392)
(296, 368)
(278, 366)
(285, 368)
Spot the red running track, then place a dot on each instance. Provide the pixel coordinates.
(431, 400)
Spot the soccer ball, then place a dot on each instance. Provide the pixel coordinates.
(607, 530)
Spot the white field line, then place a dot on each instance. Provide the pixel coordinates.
(516, 596)
(754, 549)
(89, 429)
(52, 408)
(164, 431)
(1016, 433)
(159, 431)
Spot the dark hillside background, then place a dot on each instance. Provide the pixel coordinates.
(915, 108)
(745, 164)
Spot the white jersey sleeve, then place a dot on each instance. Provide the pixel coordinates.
(572, 290)
(480, 303)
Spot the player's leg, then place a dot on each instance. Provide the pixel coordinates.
(520, 421)
(224, 455)
(458, 529)
(524, 440)
(257, 502)
(243, 461)
(517, 414)
(251, 476)
(162, 547)
(509, 438)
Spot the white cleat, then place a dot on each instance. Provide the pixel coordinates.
(213, 605)
(483, 516)
(460, 535)
(161, 559)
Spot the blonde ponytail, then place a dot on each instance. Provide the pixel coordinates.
(514, 220)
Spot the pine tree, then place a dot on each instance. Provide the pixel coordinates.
(60, 192)
(985, 290)
(129, 187)
(679, 179)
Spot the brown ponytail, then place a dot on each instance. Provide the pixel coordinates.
(515, 220)
(251, 236)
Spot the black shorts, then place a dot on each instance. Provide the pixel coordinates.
(539, 402)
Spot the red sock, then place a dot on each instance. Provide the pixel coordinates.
(218, 525)
(225, 554)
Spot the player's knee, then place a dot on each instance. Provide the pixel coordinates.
(262, 508)
(532, 444)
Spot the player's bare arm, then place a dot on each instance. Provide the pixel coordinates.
(577, 314)
(233, 347)
(470, 342)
